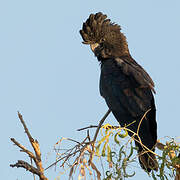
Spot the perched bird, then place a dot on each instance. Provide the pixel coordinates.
(125, 85)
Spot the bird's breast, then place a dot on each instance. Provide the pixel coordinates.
(111, 75)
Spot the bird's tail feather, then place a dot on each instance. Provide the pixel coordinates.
(148, 161)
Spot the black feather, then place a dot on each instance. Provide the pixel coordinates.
(129, 102)
(125, 85)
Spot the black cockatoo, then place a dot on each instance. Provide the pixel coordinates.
(125, 85)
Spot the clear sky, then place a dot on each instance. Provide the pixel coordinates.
(48, 75)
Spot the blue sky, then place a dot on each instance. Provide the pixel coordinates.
(48, 75)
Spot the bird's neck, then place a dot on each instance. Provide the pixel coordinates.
(103, 60)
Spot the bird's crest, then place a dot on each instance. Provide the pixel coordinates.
(99, 29)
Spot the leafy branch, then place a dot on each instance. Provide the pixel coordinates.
(113, 147)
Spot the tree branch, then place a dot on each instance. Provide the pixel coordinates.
(31, 155)
(34, 144)
(96, 133)
(36, 157)
(100, 124)
(82, 147)
(26, 166)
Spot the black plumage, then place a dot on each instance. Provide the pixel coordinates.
(125, 85)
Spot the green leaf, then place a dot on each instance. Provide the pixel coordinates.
(123, 135)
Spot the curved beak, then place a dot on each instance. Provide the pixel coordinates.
(94, 46)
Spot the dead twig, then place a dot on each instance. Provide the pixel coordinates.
(80, 150)
(95, 126)
(96, 133)
(26, 166)
(88, 127)
(36, 157)
(100, 124)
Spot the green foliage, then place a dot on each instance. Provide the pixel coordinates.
(118, 155)
(119, 152)
(120, 160)
(120, 164)
(168, 160)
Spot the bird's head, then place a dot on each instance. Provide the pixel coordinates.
(104, 37)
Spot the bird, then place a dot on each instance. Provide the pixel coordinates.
(126, 87)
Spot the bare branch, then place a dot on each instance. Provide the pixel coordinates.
(26, 166)
(88, 127)
(100, 124)
(24, 149)
(34, 144)
(95, 126)
(96, 133)
(36, 157)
